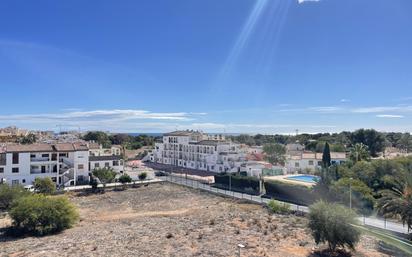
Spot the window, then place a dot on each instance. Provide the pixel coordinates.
(54, 157)
(23, 181)
(43, 169)
(32, 156)
(319, 163)
(80, 166)
(15, 158)
(15, 170)
(1, 170)
(96, 165)
(106, 164)
(3, 159)
(46, 155)
(14, 182)
(296, 164)
(311, 163)
(115, 163)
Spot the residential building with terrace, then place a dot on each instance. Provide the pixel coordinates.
(200, 151)
(67, 164)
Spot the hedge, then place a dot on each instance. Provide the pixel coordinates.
(238, 183)
(296, 194)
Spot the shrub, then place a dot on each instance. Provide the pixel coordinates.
(278, 207)
(9, 194)
(125, 178)
(44, 186)
(333, 223)
(143, 176)
(40, 215)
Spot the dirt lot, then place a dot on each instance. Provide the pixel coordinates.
(169, 220)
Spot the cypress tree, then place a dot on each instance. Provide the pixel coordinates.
(326, 159)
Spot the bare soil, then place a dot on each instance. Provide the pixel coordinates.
(170, 220)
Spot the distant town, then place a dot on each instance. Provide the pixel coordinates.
(68, 158)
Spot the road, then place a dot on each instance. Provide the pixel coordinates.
(367, 221)
(76, 188)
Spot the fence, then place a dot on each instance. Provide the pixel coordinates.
(366, 221)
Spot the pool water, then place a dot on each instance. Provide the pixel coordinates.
(304, 178)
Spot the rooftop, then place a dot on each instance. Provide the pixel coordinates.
(63, 147)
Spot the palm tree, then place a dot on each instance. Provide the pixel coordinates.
(397, 202)
(359, 152)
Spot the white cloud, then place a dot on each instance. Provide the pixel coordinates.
(344, 100)
(303, 1)
(390, 116)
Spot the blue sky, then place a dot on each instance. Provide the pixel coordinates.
(254, 66)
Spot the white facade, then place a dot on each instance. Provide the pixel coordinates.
(309, 161)
(98, 150)
(113, 162)
(195, 150)
(65, 164)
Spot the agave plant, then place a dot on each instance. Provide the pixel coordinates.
(397, 202)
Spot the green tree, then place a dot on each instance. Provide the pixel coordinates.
(99, 137)
(275, 153)
(359, 152)
(332, 224)
(105, 175)
(41, 215)
(29, 139)
(44, 186)
(370, 137)
(9, 194)
(362, 195)
(326, 159)
(397, 201)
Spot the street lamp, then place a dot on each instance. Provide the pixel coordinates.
(350, 193)
(240, 246)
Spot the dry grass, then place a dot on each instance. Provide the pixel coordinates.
(169, 220)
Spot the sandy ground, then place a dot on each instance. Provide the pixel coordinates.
(170, 220)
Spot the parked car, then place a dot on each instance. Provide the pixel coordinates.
(29, 188)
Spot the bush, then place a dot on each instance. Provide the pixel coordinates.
(44, 186)
(332, 223)
(9, 194)
(278, 207)
(125, 178)
(40, 215)
(143, 176)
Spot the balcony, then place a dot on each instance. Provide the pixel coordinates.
(40, 159)
(39, 171)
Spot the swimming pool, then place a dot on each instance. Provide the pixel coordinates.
(305, 178)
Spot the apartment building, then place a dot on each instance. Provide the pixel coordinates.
(67, 164)
(197, 150)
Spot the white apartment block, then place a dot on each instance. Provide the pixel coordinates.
(196, 150)
(67, 164)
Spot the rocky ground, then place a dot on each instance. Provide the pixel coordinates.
(170, 220)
